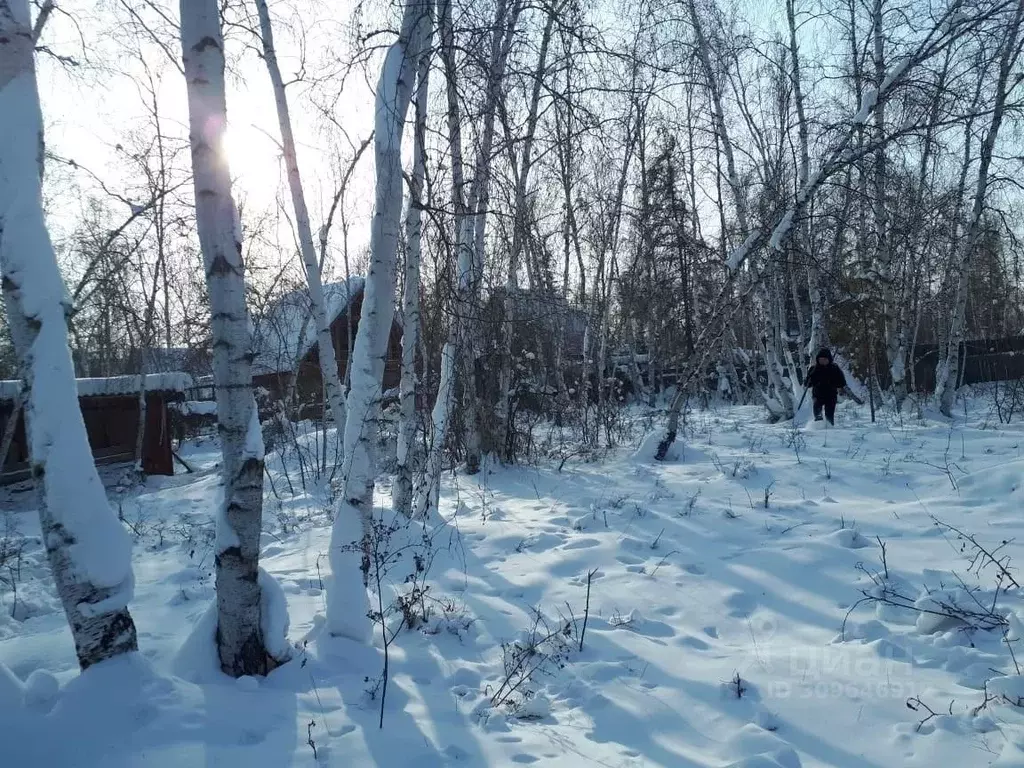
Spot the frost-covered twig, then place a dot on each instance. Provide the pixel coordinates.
(981, 557)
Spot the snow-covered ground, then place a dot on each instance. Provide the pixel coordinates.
(728, 623)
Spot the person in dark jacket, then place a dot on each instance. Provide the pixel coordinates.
(826, 381)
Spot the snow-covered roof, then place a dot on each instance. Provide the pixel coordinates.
(287, 331)
(114, 385)
(196, 408)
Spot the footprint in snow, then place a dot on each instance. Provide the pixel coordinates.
(250, 737)
(635, 622)
(740, 604)
(542, 542)
(695, 568)
(694, 642)
(848, 538)
(582, 544)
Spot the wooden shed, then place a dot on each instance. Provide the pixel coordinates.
(285, 343)
(110, 408)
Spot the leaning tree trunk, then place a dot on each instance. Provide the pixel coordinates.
(325, 343)
(739, 192)
(347, 604)
(88, 549)
(411, 291)
(241, 645)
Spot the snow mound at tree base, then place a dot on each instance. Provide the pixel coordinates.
(678, 452)
(761, 749)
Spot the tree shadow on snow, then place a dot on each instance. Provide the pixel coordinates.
(421, 728)
(249, 723)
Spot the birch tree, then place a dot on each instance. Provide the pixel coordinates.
(948, 369)
(472, 208)
(519, 237)
(411, 288)
(88, 549)
(312, 266)
(347, 603)
(466, 281)
(430, 489)
(946, 28)
(241, 643)
(818, 335)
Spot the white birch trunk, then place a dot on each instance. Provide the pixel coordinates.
(411, 291)
(505, 20)
(718, 118)
(325, 343)
(11, 426)
(948, 370)
(430, 491)
(241, 645)
(817, 336)
(88, 549)
(518, 237)
(347, 603)
(770, 329)
(895, 346)
(140, 427)
(461, 334)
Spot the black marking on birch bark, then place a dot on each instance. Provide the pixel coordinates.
(229, 553)
(119, 633)
(219, 265)
(206, 42)
(664, 445)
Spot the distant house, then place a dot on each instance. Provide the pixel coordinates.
(549, 344)
(110, 408)
(285, 343)
(541, 318)
(195, 362)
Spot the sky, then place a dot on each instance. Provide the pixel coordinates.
(88, 108)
